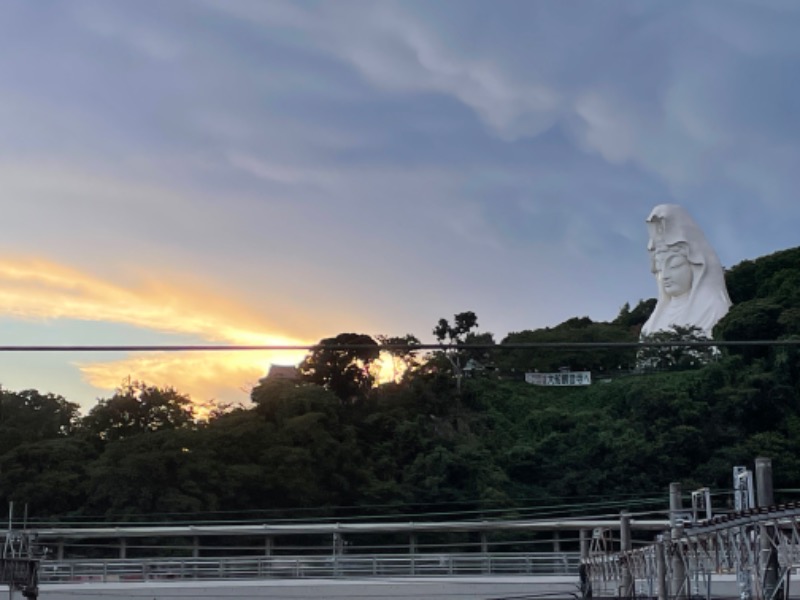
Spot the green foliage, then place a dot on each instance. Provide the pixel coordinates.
(48, 475)
(764, 277)
(279, 400)
(30, 416)
(138, 408)
(459, 334)
(675, 357)
(463, 323)
(166, 472)
(754, 320)
(634, 319)
(346, 372)
(581, 330)
(405, 359)
(422, 445)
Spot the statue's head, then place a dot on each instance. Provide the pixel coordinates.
(679, 252)
(673, 269)
(688, 272)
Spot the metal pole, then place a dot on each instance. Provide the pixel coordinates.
(679, 585)
(412, 551)
(661, 571)
(764, 482)
(626, 579)
(768, 554)
(584, 537)
(8, 549)
(675, 503)
(625, 531)
(583, 570)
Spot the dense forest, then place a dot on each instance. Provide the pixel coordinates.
(457, 432)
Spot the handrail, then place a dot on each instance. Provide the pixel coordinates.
(328, 528)
(343, 566)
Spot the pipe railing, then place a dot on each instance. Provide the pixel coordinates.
(343, 566)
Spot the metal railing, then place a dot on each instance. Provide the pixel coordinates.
(345, 566)
(740, 543)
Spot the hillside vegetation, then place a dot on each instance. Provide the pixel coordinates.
(334, 444)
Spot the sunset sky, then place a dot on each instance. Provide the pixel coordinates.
(259, 172)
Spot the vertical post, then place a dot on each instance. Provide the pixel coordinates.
(583, 570)
(661, 571)
(625, 531)
(556, 541)
(268, 546)
(60, 550)
(584, 537)
(8, 548)
(412, 551)
(626, 578)
(764, 482)
(765, 498)
(675, 503)
(679, 585)
(744, 499)
(484, 543)
(338, 547)
(196, 547)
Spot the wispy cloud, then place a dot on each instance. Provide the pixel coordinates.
(320, 167)
(204, 376)
(39, 289)
(42, 289)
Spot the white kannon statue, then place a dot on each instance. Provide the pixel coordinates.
(691, 283)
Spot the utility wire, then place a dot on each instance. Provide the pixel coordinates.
(390, 347)
(522, 512)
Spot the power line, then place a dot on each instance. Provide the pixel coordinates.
(391, 347)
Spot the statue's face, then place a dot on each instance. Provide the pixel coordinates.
(674, 270)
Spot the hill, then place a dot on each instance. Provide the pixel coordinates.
(423, 446)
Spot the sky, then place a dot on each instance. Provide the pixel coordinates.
(270, 172)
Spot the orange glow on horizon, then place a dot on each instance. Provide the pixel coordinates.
(36, 289)
(204, 376)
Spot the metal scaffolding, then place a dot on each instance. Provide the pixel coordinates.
(761, 545)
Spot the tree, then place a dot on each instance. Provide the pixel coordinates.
(280, 399)
(582, 330)
(676, 357)
(138, 408)
(456, 335)
(347, 372)
(166, 471)
(636, 317)
(403, 356)
(30, 416)
(753, 320)
(47, 475)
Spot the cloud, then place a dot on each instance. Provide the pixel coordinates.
(204, 376)
(38, 289)
(42, 289)
(374, 166)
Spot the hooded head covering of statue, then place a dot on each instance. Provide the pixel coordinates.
(691, 283)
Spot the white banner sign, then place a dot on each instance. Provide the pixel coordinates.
(568, 378)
